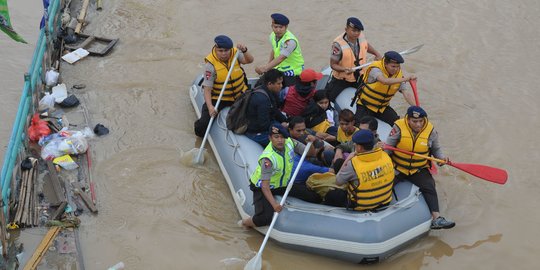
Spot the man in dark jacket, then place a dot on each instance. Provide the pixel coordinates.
(263, 110)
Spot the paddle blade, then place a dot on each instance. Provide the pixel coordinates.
(254, 264)
(491, 174)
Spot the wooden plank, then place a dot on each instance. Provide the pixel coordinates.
(46, 242)
(86, 199)
(55, 181)
(82, 15)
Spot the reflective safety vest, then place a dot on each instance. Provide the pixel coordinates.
(405, 163)
(375, 180)
(281, 165)
(237, 82)
(294, 63)
(376, 96)
(348, 57)
(342, 137)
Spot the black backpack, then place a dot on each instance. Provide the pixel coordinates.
(237, 120)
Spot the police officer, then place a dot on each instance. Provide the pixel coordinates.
(286, 55)
(272, 175)
(349, 50)
(217, 67)
(415, 133)
(369, 176)
(383, 79)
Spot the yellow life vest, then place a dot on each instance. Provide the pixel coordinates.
(405, 163)
(342, 137)
(322, 126)
(375, 180)
(376, 96)
(281, 165)
(348, 57)
(236, 84)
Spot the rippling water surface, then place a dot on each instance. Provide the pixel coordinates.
(476, 80)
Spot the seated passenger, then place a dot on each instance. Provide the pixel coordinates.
(263, 110)
(316, 117)
(273, 173)
(369, 176)
(297, 97)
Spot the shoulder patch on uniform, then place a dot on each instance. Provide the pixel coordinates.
(335, 50)
(393, 131)
(207, 75)
(286, 44)
(267, 164)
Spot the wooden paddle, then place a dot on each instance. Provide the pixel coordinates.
(495, 175)
(405, 52)
(256, 262)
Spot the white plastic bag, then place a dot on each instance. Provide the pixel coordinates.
(46, 102)
(64, 145)
(51, 77)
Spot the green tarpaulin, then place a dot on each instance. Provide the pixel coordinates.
(5, 23)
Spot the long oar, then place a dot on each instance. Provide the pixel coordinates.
(198, 159)
(405, 52)
(256, 262)
(491, 174)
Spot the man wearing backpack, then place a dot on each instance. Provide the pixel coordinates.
(217, 67)
(263, 109)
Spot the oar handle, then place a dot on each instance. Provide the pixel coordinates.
(405, 52)
(415, 92)
(388, 147)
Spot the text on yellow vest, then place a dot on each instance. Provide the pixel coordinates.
(375, 180)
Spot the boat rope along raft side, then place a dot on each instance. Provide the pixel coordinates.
(362, 236)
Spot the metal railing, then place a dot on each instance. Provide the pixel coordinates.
(32, 80)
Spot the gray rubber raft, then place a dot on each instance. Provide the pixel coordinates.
(359, 237)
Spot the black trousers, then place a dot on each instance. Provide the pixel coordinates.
(425, 182)
(389, 115)
(336, 86)
(202, 123)
(264, 210)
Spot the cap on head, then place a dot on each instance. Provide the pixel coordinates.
(363, 136)
(280, 19)
(223, 41)
(309, 75)
(356, 23)
(416, 112)
(278, 129)
(394, 56)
